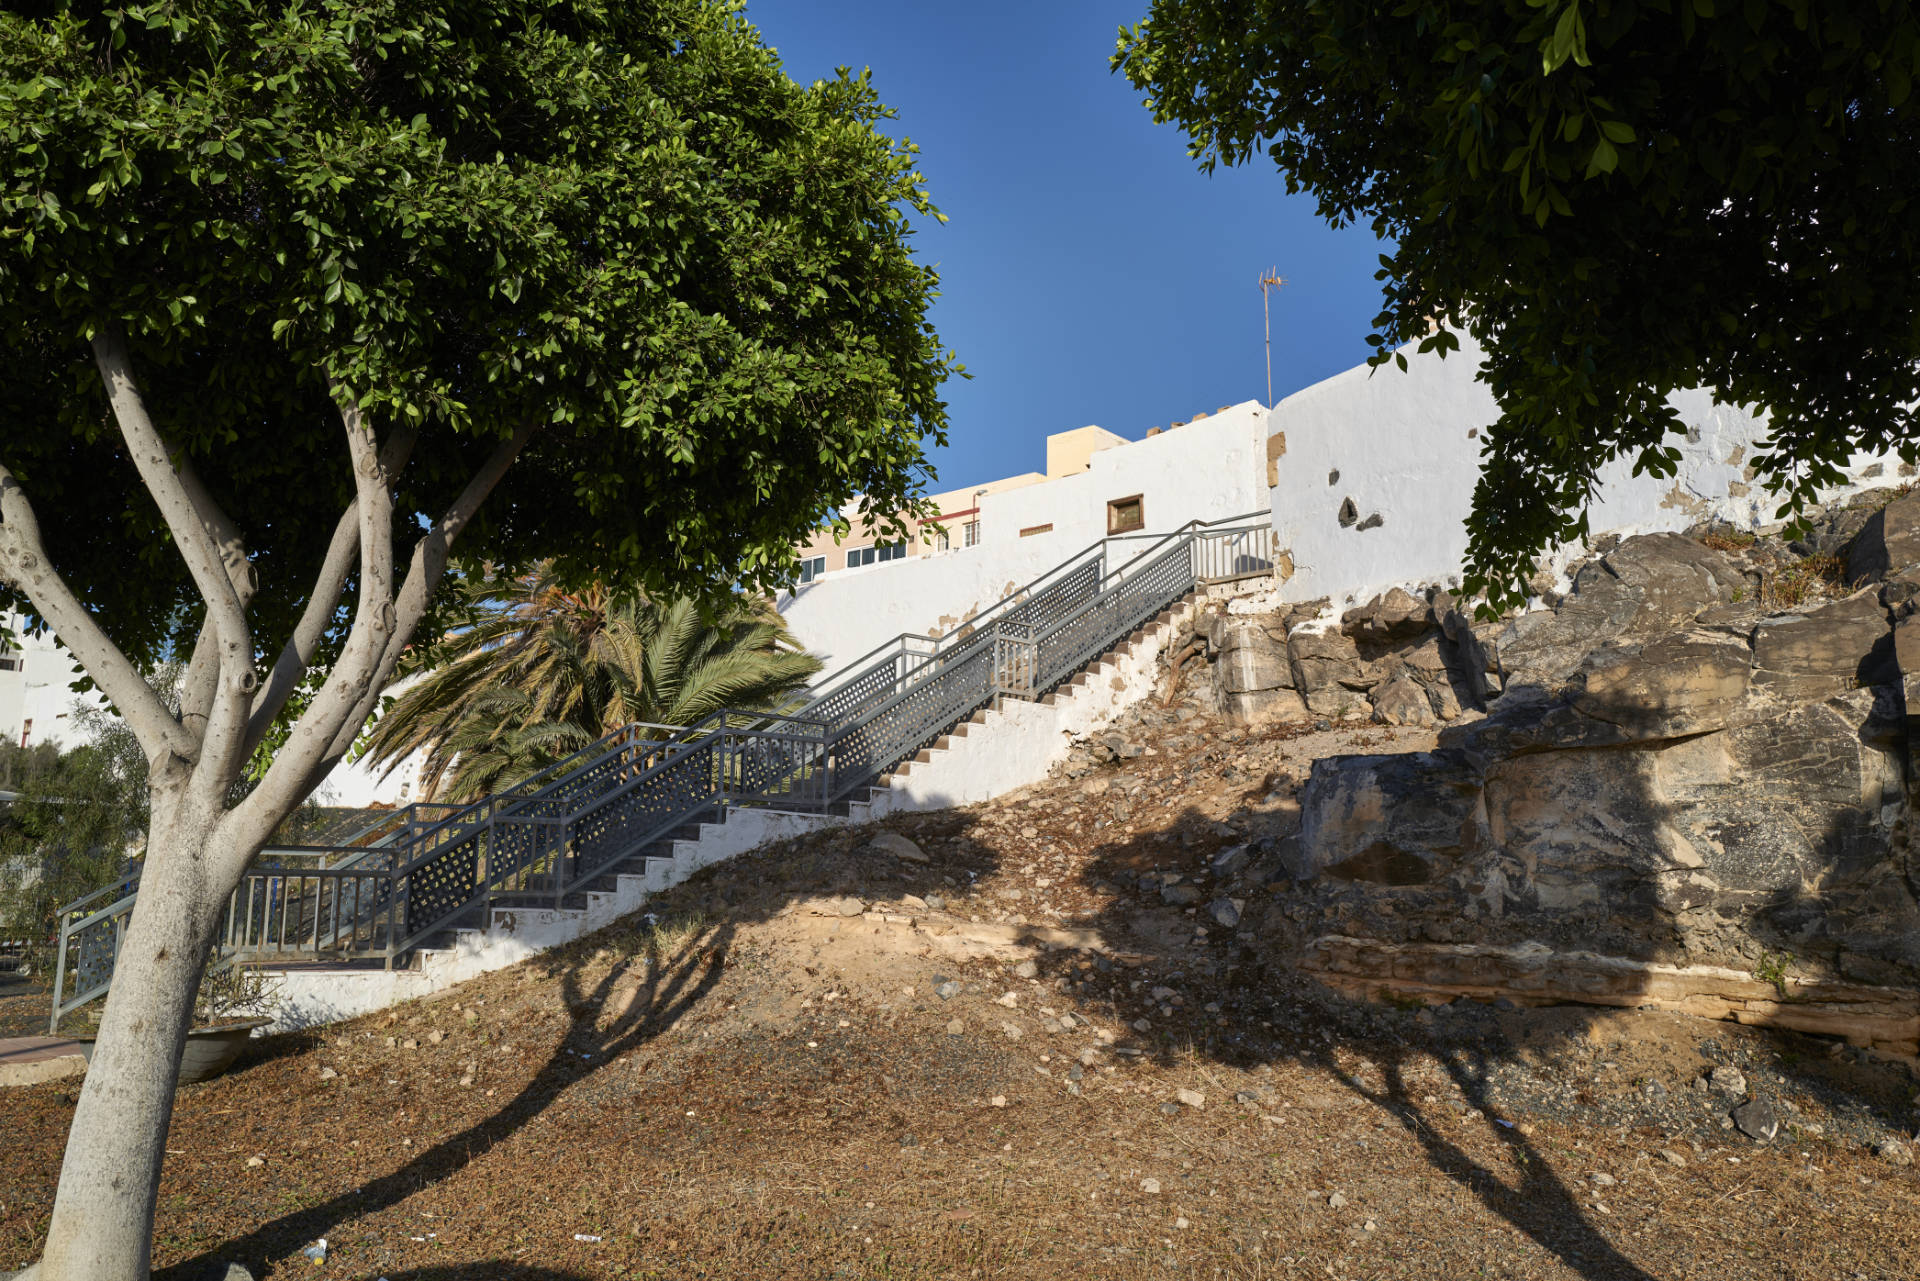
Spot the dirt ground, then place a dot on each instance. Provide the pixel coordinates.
(1021, 1057)
(24, 1004)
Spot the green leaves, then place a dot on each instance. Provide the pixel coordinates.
(624, 222)
(1569, 40)
(1619, 201)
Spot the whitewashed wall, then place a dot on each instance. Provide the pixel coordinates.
(1206, 470)
(40, 690)
(1406, 447)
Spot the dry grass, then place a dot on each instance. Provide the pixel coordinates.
(1812, 579)
(738, 1088)
(1728, 540)
(734, 1108)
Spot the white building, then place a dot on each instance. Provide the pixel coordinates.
(37, 701)
(992, 539)
(1368, 476)
(1375, 474)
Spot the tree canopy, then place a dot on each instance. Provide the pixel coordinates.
(622, 223)
(1618, 198)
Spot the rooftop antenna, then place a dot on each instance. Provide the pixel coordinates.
(1268, 282)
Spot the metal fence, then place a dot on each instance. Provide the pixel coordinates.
(415, 871)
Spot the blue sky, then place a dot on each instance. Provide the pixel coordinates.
(1089, 272)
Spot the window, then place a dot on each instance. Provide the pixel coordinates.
(9, 664)
(970, 534)
(942, 541)
(812, 567)
(1031, 530)
(858, 556)
(1125, 515)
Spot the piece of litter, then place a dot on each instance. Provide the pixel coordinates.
(582, 1236)
(316, 1252)
(1498, 1121)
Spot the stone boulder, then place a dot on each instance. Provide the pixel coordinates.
(1328, 671)
(1401, 700)
(1647, 585)
(1388, 619)
(1837, 647)
(1394, 820)
(1688, 683)
(1888, 542)
(1253, 678)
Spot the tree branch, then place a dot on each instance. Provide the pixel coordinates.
(23, 560)
(324, 733)
(296, 656)
(197, 542)
(197, 688)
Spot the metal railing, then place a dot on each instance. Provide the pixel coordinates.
(427, 866)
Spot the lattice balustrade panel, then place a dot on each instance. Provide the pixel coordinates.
(1059, 598)
(646, 809)
(861, 753)
(871, 687)
(763, 767)
(444, 883)
(1120, 609)
(516, 850)
(92, 953)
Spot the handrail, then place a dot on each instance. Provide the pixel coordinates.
(571, 820)
(1012, 600)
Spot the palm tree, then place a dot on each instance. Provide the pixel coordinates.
(541, 671)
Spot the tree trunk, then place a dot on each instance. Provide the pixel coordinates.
(103, 1214)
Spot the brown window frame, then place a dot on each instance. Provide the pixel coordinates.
(1140, 500)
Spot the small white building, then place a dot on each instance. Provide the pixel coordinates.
(37, 700)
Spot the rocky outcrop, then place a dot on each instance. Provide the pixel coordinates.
(1677, 768)
(1399, 660)
(1880, 1018)
(1356, 825)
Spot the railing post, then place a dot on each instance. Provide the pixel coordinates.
(60, 976)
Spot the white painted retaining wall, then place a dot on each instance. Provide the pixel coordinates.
(1406, 446)
(1206, 470)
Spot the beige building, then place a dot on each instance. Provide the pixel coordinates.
(958, 523)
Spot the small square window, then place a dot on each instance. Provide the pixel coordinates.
(1125, 515)
(858, 556)
(812, 567)
(892, 551)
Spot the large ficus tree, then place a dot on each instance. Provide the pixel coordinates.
(293, 296)
(1618, 198)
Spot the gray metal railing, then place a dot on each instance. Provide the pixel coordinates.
(423, 868)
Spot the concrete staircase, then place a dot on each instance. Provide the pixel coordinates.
(993, 752)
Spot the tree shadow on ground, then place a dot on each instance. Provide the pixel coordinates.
(1539, 1204)
(1251, 969)
(490, 1269)
(666, 987)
